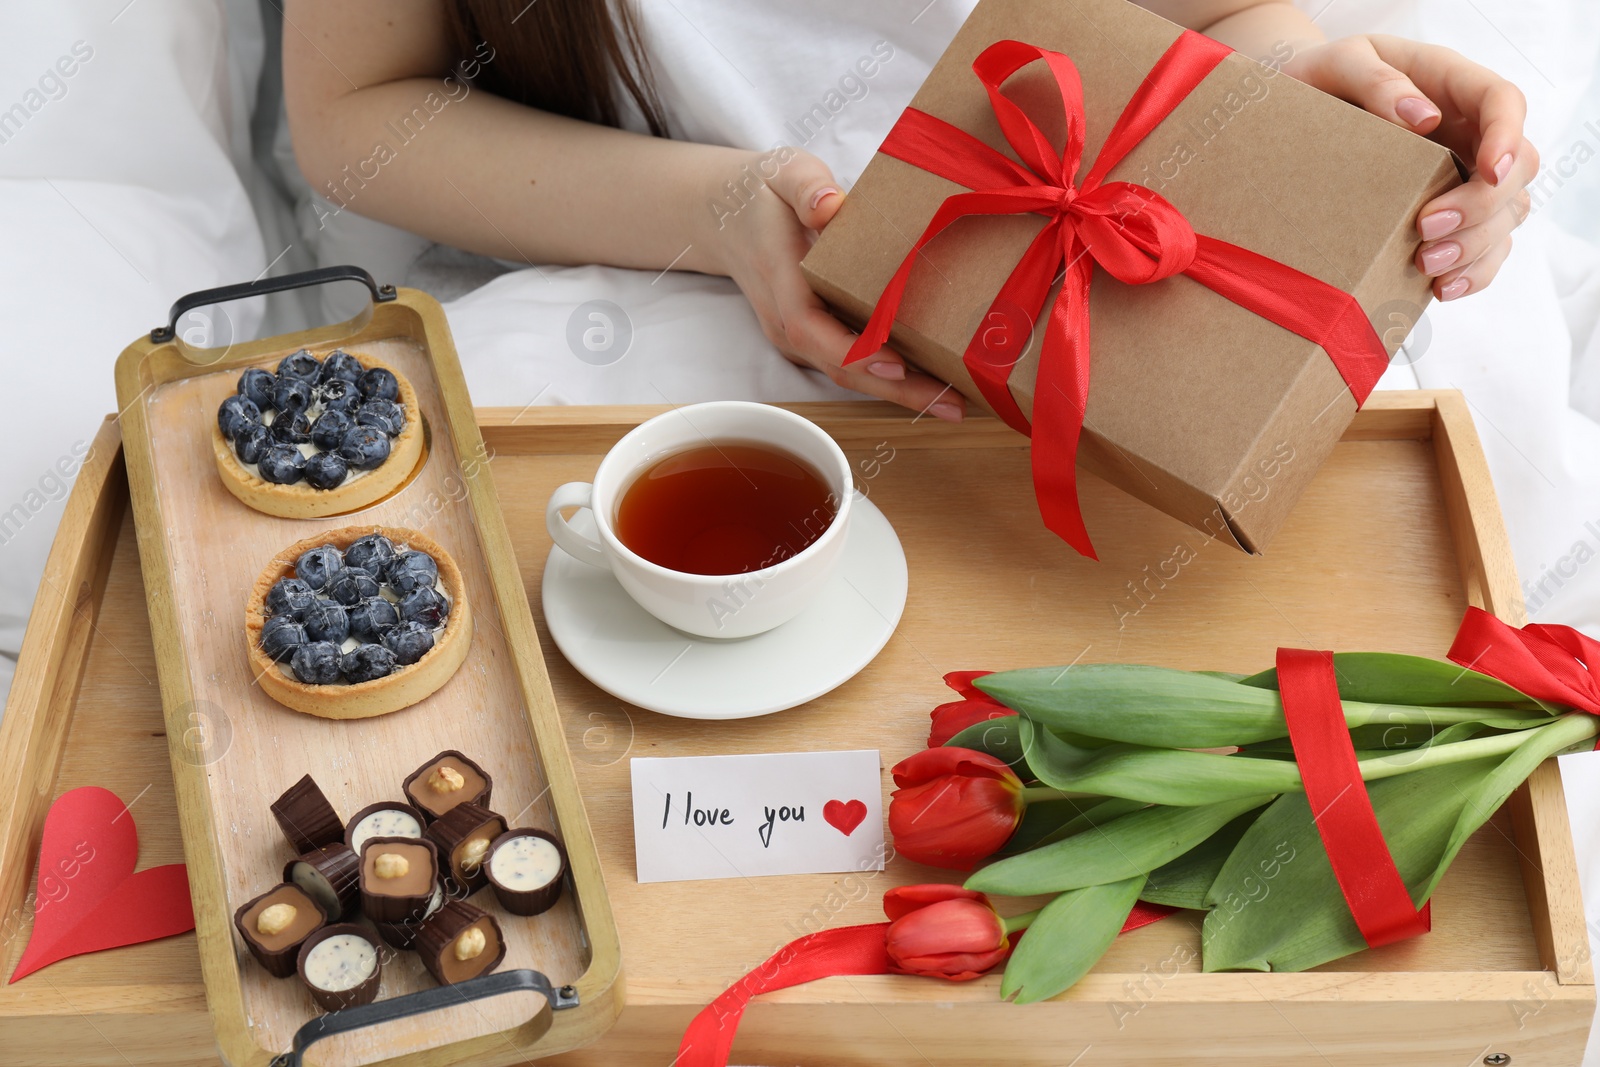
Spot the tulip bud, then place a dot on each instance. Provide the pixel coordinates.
(975, 706)
(954, 807)
(943, 931)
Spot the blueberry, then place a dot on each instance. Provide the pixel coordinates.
(326, 470)
(365, 447)
(338, 394)
(237, 414)
(411, 570)
(316, 565)
(253, 443)
(257, 385)
(282, 464)
(381, 383)
(341, 365)
(409, 642)
(424, 605)
(291, 597)
(280, 636)
(372, 618)
(352, 585)
(316, 663)
(329, 431)
(372, 553)
(386, 415)
(326, 620)
(302, 365)
(365, 663)
(291, 395)
(291, 428)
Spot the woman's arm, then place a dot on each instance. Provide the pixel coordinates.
(1466, 233)
(382, 124)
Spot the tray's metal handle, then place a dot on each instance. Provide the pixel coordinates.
(381, 294)
(445, 996)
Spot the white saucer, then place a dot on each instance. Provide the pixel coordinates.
(635, 657)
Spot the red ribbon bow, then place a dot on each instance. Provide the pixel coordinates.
(1555, 664)
(1132, 232)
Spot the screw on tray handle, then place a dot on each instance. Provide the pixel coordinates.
(445, 996)
(381, 294)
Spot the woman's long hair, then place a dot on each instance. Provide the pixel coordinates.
(564, 56)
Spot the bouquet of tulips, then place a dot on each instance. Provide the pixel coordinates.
(1112, 784)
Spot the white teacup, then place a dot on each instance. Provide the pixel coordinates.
(709, 605)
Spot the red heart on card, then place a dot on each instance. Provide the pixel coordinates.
(844, 817)
(87, 896)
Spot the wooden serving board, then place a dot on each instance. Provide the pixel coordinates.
(235, 748)
(1397, 534)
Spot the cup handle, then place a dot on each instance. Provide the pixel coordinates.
(581, 548)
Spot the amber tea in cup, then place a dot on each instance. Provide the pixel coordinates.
(724, 507)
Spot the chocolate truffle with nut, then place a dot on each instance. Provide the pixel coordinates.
(275, 924)
(445, 781)
(398, 876)
(463, 835)
(460, 942)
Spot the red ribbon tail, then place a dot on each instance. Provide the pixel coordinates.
(1342, 811)
(847, 950)
(1554, 664)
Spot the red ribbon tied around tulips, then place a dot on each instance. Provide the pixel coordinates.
(1129, 230)
(1341, 810)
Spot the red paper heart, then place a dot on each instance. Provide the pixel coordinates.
(87, 896)
(844, 817)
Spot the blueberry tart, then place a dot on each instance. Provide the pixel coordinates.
(312, 437)
(357, 622)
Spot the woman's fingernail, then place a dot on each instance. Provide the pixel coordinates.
(888, 368)
(1434, 226)
(821, 194)
(1439, 258)
(1454, 289)
(947, 411)
(1415, 110)
(1502, 168)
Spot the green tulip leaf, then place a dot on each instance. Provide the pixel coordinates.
(1044, 818)
(1107, 809)
(1184, 882)
(1134, 844)
(1069, 936)
(1166, 708)
(1000, 739)
(1275, 905)
(1391, 678)
(1569, 733)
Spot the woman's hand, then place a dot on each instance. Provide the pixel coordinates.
(761, 234)
(1466, 233)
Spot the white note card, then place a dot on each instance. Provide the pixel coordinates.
(745, 816)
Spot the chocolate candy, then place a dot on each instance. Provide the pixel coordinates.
(275, 924)
(306, 817)
(445, 781)
(340, 965)
(403, 934)
(460, 942)
(463, 835)
(390, 818)
(527, 869)
(332, 876)
(398, 877)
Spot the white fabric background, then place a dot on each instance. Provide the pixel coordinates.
(137, 185)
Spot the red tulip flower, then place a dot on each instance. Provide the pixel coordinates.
(954, 807)
(975, 706)
(943, 931)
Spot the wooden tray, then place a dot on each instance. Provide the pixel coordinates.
(1397, 534)
(235, 749)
